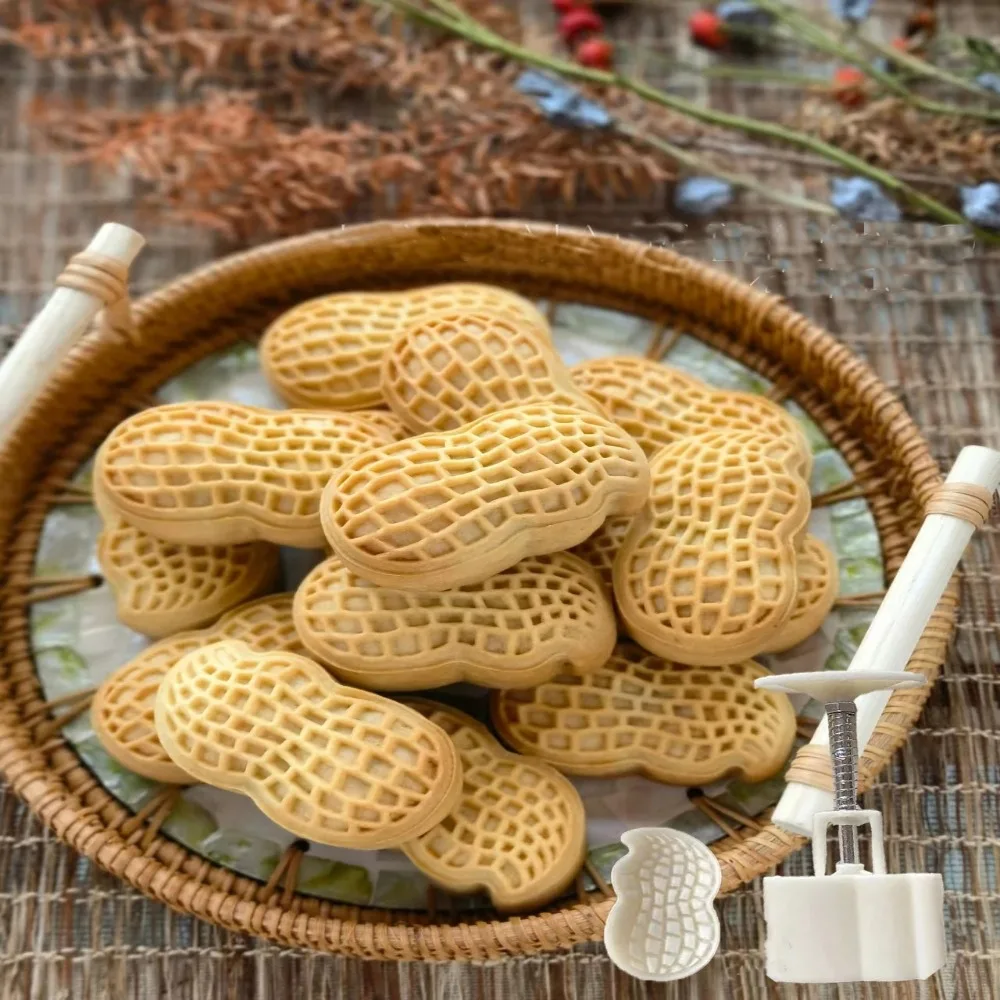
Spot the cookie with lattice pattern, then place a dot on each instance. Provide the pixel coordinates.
(449, 368)
(641, 714)
(212, 473)
(122, 710)
(450, 508)
(515, 629)
(161, 588)
(329, 763)
(818, 581)
(600, 549)
(327, 352)
(707, 572)
(384, 422)
(517, 831)
(659, 405)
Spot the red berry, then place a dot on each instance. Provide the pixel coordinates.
(900, 44)
(849, 86)
(707, 30)
(596, 53)
(579, 21)
(565, 6)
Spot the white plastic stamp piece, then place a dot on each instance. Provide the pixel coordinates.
(663, 925)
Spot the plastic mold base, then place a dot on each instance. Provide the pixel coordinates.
(853, 925)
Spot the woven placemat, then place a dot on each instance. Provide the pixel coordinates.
(919, 303)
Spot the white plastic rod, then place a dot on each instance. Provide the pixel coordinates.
(49, 336)
(899, 623)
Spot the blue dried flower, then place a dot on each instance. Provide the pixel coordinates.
(743, 14)
(853, 11)
(989, 81)
(862, 199)
(562, 104)
(702, 195)
(981, 204)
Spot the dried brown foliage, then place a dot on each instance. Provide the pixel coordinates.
(305, 113)
(891, 134)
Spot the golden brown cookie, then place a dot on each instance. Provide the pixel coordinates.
(449, 368)
(600, 549)
(514, 629)
(447, 509)
(122, 710)
(210, 473)
(517, 831)
(659, 405)
(161, 588)
(706, 573)
(384, 422)
(818, 583)
(640, 714)
(329, 763)
(327, 352)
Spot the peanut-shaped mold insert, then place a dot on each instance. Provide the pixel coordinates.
(641, 714)
(518, 830)
(161, 588)
(329, 763)
(447, 509)
(449, 368)
(659, 405)
(211, 473)
(706, 574)
(122, 710)
(327, 352)
(818, 582)
(515, 629)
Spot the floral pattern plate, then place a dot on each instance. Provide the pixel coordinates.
(78, 640)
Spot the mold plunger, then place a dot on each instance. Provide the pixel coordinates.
(855, 925)
(860, 925)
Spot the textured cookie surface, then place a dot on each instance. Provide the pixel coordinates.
(517, 830)
(640, 714)
(817, 585)
(659, 405)
(161, 588)
(514, 629)
(449, 368)
(446, 509)
(210, 473)
(383, 422)
(328, 352)
(326, 762)
(707, 571)
(600, 549)
(122, 709)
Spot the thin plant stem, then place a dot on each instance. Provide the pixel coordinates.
(927, 69)
(474, 31)
(819, 39)
(695, 162)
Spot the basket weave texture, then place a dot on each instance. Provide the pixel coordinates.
(106, 378)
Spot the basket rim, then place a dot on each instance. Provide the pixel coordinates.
(613, 271)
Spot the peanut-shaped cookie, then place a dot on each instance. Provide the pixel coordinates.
(518, 829)
(658, 405)
(449, 368)
(816, 590)
(161, 588)
(707, 571)
(327, 352)
(442, 510)
(210, 473)
(122, 710)
(515, 629)
(326, 762)
(640, 714)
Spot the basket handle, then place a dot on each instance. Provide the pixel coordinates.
(960, 507)
(93, 280)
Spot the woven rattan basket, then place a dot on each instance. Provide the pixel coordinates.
(107, 377)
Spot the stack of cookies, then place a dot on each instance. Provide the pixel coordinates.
(607, 548)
